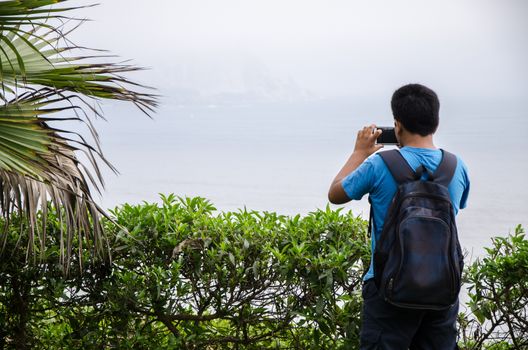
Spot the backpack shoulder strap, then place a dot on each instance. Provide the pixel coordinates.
(398, 166)
(446, 169)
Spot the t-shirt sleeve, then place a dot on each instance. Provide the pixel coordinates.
(465, 176)
(360, 181)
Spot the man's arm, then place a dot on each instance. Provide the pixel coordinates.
(365, 146)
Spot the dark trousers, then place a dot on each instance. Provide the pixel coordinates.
(387, 327)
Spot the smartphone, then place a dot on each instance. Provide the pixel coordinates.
(388, 136)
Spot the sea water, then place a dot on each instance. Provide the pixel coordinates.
(282, 156)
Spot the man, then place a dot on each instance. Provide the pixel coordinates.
(416, 117)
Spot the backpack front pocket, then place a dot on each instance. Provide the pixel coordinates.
(425, 271)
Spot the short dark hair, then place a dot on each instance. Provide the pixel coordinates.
(416, 107)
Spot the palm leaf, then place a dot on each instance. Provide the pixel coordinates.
(44, 80)
(27, 59)
(38, 164)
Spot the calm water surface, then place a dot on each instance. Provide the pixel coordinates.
(282, 157)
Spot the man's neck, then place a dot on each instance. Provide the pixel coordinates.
(418, 141)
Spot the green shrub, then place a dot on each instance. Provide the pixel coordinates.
(184, 276)
(498, 292)
(247, 278)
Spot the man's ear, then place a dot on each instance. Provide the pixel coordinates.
(397, 126)
(398, 129)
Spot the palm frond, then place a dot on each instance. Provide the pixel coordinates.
(38, 164)
(26, 59)
(18, 13)
(44, 79)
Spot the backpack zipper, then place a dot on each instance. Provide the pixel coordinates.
(424, 195)
(391, 285)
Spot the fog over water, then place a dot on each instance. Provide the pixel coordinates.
(262, 99)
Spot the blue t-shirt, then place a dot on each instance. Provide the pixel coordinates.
(373, 177)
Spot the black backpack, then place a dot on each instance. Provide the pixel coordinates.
(418, 261)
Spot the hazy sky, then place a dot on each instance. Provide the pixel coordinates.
(329, 48)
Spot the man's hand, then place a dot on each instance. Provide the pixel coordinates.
(366, 141)
(365, 146)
